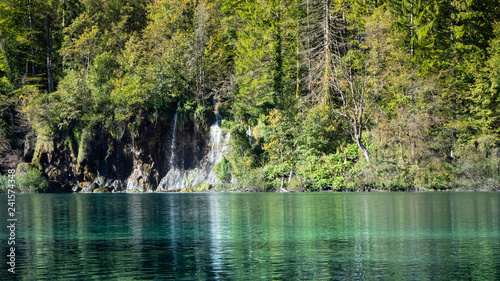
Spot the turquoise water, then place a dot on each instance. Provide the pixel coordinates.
(255, 236)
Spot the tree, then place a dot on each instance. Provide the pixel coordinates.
(358, 91)
(264, 56)
(326, 35)
(406, 115)
(485, 94)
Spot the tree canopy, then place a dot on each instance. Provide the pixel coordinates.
(317, 94)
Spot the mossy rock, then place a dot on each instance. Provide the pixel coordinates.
(43, 146)
(203, 187)
(100, 190)
(187, 189)
(22, 169)
(84, 146)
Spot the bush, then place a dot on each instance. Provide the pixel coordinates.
(252, 180)
(223, 170)
(295, 184)
(84, 146)
(277, 171)
(33, 180)
(204, 114)
(4, 181)
(325, 172)
(477, 164)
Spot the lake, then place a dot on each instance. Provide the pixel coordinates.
(250, 236)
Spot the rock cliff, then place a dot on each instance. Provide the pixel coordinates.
(156, 154)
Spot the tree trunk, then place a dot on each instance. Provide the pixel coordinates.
(50, 76)
(402, 152)
(201, 34)
(411, 30)
(309, 64)
(63, 14)
(327, 51)
(297, 73)
(33, 72)
(278, 58)
(363, 149)
(358, 131)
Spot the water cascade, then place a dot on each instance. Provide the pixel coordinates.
(177, 178)
(195, 139)
(138, 175)
(171, 160)
(249, 135)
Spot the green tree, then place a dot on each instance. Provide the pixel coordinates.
(485, 94)
(264, 55)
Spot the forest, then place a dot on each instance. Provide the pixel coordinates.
(315, 94)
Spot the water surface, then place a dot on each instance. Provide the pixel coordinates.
(267, 236)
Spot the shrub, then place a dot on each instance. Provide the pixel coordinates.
(477, 164)
(325, 172)
(4, 181)
(223, 170)
(252, 180)
(33, 180)
(84, 146)
(204, 114)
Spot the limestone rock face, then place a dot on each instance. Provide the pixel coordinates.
(137, 160)
(9, 157)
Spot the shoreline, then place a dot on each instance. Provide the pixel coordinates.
(236, 190)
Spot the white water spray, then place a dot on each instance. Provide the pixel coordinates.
(134, 180)
(249, 135)
(171, 161)
(203, 173)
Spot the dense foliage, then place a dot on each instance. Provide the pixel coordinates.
(317, 94)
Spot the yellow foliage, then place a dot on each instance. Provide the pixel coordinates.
(276, 144)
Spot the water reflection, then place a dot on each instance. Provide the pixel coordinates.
(257, 236)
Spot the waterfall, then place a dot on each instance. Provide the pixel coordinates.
(135, 179)
(171, 161)
(11, 118)
(195, 140)
(218, 148)
(133, 141)
(176, 178)
(216, 139)
(249, 135)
